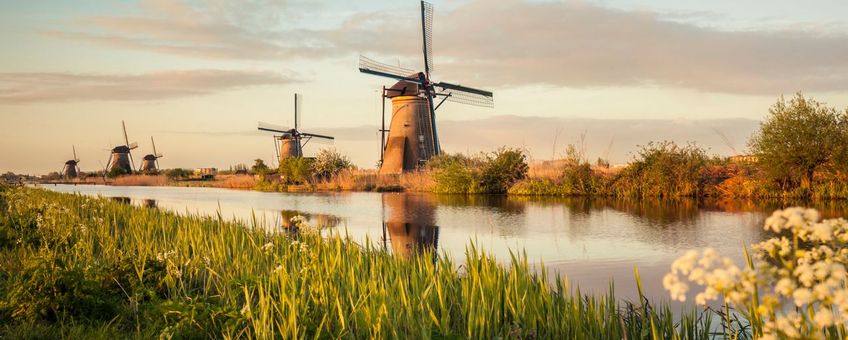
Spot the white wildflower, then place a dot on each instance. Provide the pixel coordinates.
(802, 296)
(824, 317)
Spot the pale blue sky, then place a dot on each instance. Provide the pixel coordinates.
(198, 75)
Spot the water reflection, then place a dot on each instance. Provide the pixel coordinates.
(148, 203)
(320, 221)
(410, 226)
(121, 199)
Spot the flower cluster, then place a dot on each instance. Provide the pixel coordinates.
(268, 247)
(803, 266)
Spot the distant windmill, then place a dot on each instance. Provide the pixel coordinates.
(71, 169)
(412, 134)
(150, 162)
(121, 158)
(290, 142)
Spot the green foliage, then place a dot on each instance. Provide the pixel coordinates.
(177, 173)
(296, 170)
(486, 174)
(114, 172)
(798, 139)
(502, 169)
(259, 167)
(93, 268)
(330, 162)
(662, 169)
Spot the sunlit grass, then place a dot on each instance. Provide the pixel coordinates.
(78, 265)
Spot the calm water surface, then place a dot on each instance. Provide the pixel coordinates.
(592, 241)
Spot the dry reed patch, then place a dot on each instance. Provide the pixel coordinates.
(141, 180)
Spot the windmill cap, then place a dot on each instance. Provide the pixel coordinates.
(71, 162)
(149, 157)
(121, 149)
(402, 88)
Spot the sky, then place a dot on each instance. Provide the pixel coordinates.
(198, 75)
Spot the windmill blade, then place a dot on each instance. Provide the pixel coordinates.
(126, 140)
(313, 135)
(132, 146)
(427, 34)
(154, 146)
(273, 128)
(370, 66)
(466, 95)
(75, 153)
(298, 108)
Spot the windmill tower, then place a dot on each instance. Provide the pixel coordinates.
(412, 133)
(121, 158)
(150, 162)
(71, 169)
(290, 142)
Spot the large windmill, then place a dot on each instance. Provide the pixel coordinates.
(150, 162)
(412, 133)
(290, 142)
(71, 169)
(121, 158)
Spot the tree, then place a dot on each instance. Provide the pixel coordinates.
(259, 167)
(799, 138)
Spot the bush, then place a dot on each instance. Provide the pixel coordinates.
(296, 170)
(177, 173)
(502, 169)
(330, 162)
(663, 170)
(494, 173)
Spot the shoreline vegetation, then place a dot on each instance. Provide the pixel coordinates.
(76, 266)
(800, 152)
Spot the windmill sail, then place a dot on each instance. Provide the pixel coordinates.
(427, 29)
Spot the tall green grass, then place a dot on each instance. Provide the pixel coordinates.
(73, 265)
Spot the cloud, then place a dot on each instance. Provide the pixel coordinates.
(18, 88)
(500, 44)
(579, 45)
(218, 30)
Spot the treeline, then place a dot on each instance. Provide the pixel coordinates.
(800, 151)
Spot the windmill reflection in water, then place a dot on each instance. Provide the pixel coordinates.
(411, 224)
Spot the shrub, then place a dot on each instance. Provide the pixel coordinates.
(662, 170)
(330, 162)
(177, 173)
(296, 170)
(502, 169)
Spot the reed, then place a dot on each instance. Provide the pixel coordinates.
(79, 265)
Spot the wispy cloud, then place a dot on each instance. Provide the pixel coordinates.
(575, 44)
(501, 43)
(18, 88)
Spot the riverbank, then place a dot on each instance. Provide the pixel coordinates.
(77, 266)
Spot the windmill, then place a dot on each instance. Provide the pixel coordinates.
(150, 162)
(71, 169)
(290, 142)
(412, 133)
(121, 158)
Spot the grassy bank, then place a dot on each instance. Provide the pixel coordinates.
(73, 266)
